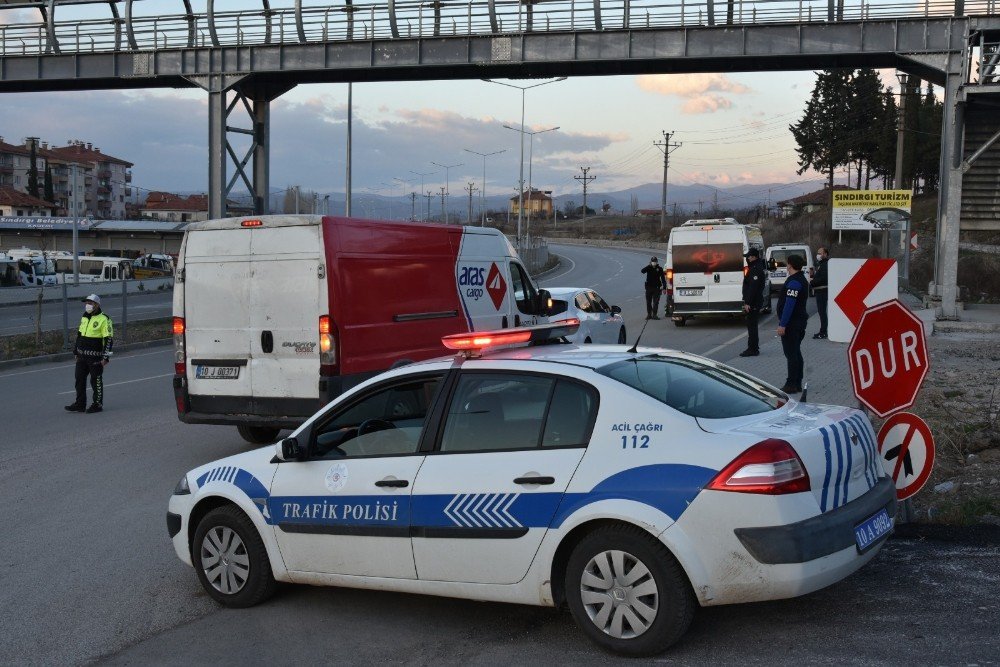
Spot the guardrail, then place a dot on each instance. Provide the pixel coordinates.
(415, 18)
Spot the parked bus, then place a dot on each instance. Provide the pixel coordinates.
(93, 269)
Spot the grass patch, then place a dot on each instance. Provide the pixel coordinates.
(22, 346)
(965, 512)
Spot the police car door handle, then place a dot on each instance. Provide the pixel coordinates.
(535, 480)
(393, 483)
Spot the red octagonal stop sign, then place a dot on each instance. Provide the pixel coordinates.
(888, 358)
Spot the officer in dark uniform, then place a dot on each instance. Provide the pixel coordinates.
(94, 340)
(656, 283)
(753, 300)
(792, 322)
(820, 283)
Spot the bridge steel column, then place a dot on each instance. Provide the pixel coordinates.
(950, 190)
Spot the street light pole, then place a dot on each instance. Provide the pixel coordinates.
(404, 184)
(447, 186)
(531, 150)
(482, 190)
(520, 197)
(421, 175)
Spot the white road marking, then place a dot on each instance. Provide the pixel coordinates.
(559, 275)
(115, 384)
(65, 366)
(734, 338)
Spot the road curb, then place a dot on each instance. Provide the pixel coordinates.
(66, 356)
(550, 269)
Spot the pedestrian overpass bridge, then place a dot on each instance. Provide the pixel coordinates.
(247, 58)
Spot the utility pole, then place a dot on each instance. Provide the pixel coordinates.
(326, 204)
(296, 200)
(421, 174)
(76, 231)
(444, 212)
(471, 188)
(427, 216)
(447, 186)
(897, 181)
(667, 147)
(585, 179)
(347, 182)
(413, 206)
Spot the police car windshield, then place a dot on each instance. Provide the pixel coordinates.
(698, 389)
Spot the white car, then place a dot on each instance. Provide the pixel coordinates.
(631, 486)
(599, 322)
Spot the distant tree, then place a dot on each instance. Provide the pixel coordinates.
(33, 170)
(50, 195)
(927, 138)
(569, 208)
(633, 204)
(825, 131)
(883, 160)
(867, 108)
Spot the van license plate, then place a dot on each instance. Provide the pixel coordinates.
(217, 372)
(689, 292)
(869, 531)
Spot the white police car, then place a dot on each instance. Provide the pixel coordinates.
(631, 485)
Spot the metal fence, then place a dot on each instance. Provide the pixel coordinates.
(410, 19)
(534, 254)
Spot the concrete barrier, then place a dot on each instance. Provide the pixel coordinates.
(11, 296)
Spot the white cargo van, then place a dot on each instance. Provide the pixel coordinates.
(705, 268)
(274, 316)
(777, 262)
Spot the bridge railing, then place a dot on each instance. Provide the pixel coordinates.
(415, 18)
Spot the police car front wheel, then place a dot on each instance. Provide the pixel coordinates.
(627, 592)
(231, 559)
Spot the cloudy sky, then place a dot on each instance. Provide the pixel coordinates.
(733, 127)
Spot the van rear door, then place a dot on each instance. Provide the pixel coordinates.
(285, 300)
(217, 318)
(725, 250)
(690, 281)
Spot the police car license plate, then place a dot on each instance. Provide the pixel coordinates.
(218, 372)
(780, 273)
(689, 292)
(869, 531)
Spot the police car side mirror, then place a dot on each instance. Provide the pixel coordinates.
(292, 451)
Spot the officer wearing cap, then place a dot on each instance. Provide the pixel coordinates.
(656, 284)
(753, 299)
(94, 340)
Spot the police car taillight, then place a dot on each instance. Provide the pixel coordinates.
(481, 340)
(180, 356)
(770, 467)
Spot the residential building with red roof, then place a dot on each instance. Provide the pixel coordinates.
(814, 201)
(14, 203)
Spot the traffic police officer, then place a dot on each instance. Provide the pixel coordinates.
(656, 283)
(753, 300)
(94, 340)
(792, 322)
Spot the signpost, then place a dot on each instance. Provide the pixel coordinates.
(888, 358)
(907, 450)
(869, 210)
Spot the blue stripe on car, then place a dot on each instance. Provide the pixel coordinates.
(829, 468)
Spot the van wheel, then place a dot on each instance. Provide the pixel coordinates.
(231, 560)
(680, 321)
(627, 592)
(258, 435)
(621, 336)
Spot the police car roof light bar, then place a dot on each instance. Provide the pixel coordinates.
(475, 341)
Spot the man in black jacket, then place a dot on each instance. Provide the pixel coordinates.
(819, 286)
(753, 300)
(656, 283)
(792, 318)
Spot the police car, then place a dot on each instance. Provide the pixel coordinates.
(632, 485)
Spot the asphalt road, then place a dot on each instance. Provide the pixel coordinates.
(87, 572)
(21, 319)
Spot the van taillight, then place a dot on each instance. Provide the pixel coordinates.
(327, 346)
(180, 357)
(770, 467)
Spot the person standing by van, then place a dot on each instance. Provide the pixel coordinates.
(792, 322)
(94, 341)
(753, 300)
(656, 284)
(820, 285)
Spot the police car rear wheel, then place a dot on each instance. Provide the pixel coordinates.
(258, 435)
(231, 559)
(627, 592)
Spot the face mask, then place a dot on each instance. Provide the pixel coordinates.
(819, 258)
(88, 308)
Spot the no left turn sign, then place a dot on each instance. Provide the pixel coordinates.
(907, 451)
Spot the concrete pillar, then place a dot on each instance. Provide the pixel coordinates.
(950, 195)
(261, 154)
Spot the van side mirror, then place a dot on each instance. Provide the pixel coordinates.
(543, 304)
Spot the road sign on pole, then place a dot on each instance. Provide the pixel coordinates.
(907, 451)
(888, 358)
(854, 286)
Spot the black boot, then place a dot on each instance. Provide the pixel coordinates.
(94, 407)
(76, 407)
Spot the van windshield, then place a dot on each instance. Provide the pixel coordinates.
(697, 388)
(780, 257)
(708, 258)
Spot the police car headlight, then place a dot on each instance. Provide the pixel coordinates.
(182, 487)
